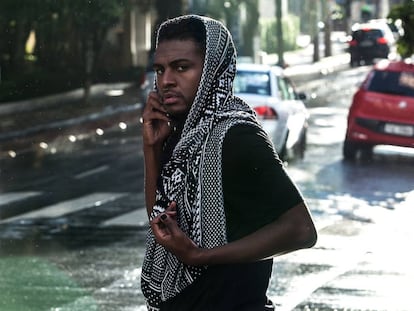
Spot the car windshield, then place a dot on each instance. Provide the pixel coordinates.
(252, 82)
(392, 82)
(371, 34)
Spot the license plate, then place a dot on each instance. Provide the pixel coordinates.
(366, 43)
(403, 130)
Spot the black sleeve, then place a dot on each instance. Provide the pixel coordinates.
(257, 189)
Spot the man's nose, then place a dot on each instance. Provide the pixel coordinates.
(167, 78)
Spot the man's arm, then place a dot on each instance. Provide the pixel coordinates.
(155, 130)
(293, 230)
(248, 176)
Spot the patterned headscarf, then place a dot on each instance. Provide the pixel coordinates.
(192, 177)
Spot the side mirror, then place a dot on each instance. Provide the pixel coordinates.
(301, 96)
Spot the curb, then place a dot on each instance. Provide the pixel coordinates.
(107, 112)
(325, 66)
(55, 99)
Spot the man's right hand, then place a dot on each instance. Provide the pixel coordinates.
(155, 122)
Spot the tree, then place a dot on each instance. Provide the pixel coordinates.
(327, 15)
(243, 30)
(250, 28)
(92, 20)
(279, 33)
(16, 20)
(69, 35)
(313, 12)
(165, 9)
(405, 13)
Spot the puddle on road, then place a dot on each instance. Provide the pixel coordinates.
(45, 238)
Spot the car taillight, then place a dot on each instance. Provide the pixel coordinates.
(382, 40)
(353, 43)
(266, 112)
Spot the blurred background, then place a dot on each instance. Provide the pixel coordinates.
(51, 46)
(73, 79)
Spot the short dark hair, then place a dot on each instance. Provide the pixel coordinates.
(184, 29)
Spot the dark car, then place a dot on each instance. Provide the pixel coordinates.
(382, 110)
(370, 41)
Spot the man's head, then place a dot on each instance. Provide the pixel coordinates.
(195, 61)
(185, 29)
(178, 62)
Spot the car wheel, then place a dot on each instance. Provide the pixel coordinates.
(349, 150)
(354, 63)
(368, 62)
(367, 152)
(283, 154)
(301, 145)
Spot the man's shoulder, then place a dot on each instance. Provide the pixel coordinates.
(244, 133)
(243, 129)
(247, 142)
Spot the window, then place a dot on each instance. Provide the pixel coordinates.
(252, 83)
(285, 89)
(392, 82)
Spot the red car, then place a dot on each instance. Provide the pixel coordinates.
(382, 110)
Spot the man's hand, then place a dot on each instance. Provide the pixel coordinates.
(155, 121)
(168, 234)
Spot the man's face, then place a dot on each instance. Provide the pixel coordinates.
(178, 65)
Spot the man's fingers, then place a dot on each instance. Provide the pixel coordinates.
(172, 206)
(154, 110)
(169, 222)
(154, 103)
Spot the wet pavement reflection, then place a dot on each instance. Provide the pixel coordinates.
(76, 260)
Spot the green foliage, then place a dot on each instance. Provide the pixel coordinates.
(405, 12)
(230, 15)
(70, 35)
(69, 29)
(290, 25)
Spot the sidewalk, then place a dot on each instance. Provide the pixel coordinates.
(30, 117)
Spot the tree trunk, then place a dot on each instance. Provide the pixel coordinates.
(279, 34)
(327, 28)
(314, 29)
(250, 28)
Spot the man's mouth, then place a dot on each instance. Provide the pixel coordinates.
(170, 98)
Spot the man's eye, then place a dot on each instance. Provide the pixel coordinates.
(181, 68)
(158, 71)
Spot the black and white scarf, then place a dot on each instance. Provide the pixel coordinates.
(192, 177)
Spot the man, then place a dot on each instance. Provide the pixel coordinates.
(219, 201)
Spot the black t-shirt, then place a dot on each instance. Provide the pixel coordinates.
(257, 191)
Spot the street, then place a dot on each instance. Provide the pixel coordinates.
(65, 191)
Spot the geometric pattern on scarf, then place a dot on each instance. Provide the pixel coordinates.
(192, 177)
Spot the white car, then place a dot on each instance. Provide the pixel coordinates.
(279, 108)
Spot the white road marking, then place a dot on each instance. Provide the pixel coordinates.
(9, 197)
(69, 206)
(92, 172)
(137, 217)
